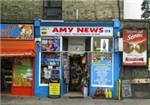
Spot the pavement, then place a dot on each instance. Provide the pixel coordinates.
(18, 100)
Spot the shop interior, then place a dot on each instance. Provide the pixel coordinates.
(6, 75)
(75, 65)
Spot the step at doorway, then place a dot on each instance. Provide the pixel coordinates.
(74, 95)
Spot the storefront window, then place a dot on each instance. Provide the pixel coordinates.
(102, 44)
(102, 68)
(50, 59)
(50, 44)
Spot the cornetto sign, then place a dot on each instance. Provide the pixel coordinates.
(76, 31)
(134, 47)
(134, 35)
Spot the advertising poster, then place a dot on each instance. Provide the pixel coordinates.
(18, 31)
(102, 72)
(46, 71)
(54, 89)
(134, 47)
(22, 75)
(51, 44)
(50, 67)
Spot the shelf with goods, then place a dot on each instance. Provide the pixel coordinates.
(8, 78)
(6, 74)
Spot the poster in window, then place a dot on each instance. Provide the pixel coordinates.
(102, 71)
(22, 74)
(45, 74)
(50, 66)
(134, 47)
(51, 44)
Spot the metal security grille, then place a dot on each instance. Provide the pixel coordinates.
(52, 9)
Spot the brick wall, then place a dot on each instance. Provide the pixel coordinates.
(90, 10)
(20, 10)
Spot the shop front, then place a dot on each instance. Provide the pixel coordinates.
(17, 53)
(81, 55)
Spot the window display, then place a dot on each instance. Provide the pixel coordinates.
(102, 70)
(50, 59)
(102, 44)
(50, 44)
(49, 70)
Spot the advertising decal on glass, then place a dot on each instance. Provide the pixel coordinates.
(50, 44)
(102, 71)
(22, 75)
(50, 59)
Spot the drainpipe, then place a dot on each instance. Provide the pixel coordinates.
(118, 5)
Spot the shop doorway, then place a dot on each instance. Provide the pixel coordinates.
(77, 76)
(76, 65)
(6, 75)
(77, 71)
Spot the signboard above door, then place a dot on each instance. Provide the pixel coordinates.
(76, 31)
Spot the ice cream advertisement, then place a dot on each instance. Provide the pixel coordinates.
(134, 47)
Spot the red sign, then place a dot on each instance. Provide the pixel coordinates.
(79, 29)
(76, 31)
(134, 47)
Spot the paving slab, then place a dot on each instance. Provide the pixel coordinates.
(16, 100)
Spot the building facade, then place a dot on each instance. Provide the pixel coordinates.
(134, 78)
(17, 59)
(74, 51)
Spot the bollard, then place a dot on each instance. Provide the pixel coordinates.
(119, 89)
